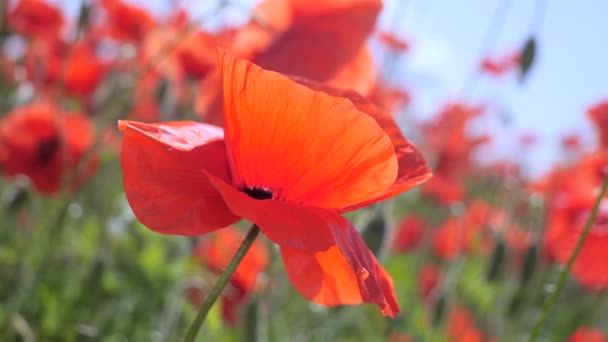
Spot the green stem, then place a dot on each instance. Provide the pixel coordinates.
(222, 282)
(564, 273)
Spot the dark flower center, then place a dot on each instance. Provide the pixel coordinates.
(46, 150)
(258, 192)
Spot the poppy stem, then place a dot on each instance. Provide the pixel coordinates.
(221, 283)
(564, 273)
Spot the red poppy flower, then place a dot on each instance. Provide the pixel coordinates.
(30, 141)
(599, 115)
(126, 22)
(394, 42)
(571, 141)
(460, 234)
(586, 334)
(282, 31)
(35, 18)
(428, 279)
(498, 66)
(461, 326)
(290, 159)
(216, 250)
(408, 234)
(564, 227)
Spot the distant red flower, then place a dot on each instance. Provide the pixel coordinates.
(30, 144)
(564, 227)
(443, 189)
(216, 250)
(527, 140)
(461, 326)
(571, 141)
(586, 334)
(429, 277)
(599, 115)
(281, 164)
(460, 234)
(498, 66)
(126, 22)
(393, 42)
(389, 98)
(408, 235)
(78, 68)
(35, 18)
(447, 136)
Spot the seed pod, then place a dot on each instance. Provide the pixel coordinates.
(529, 265)
(528, 56)
(439, 309)
(497, 260)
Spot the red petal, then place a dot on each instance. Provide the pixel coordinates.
(308, 147)
(164, 176)
(413, 169)
(347, 273)
(284, 223)
(338, 29)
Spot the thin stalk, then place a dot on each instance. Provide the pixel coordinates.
(221, 283)
(548, 305)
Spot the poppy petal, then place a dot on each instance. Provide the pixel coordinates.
(338, 28)
(164, 176)
(413, 169)
(309, 148)
(284, 223)
(347, 273)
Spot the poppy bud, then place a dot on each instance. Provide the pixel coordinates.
(497, 260)
(439, 309)
(529, 264)
(516, 302)
(374, 232)
(84, 16)
(527, 58)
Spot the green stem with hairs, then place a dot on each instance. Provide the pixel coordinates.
(221, 283)
(548, 305)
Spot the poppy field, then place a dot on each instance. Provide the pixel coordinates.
(271, 171)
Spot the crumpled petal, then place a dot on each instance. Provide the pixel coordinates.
(347, 273)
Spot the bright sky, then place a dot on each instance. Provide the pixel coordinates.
(570, 73)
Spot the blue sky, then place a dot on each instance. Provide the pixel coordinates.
(569, 75)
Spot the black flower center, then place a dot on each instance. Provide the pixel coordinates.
(46, 150)
(258, 192)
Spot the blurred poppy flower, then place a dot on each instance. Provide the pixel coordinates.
(291, 157)
(428, 278)
(461, 326)
(126, 22)
(216, 250)
(599, 115)
(571, 141)
(393, 42)
(449, 138)
(280, 33)
(586, 334)
(408, 235)
(30, 144)
(564, 226)
(79, 69)
(457, 235)
(35, 18)
(498, 66)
